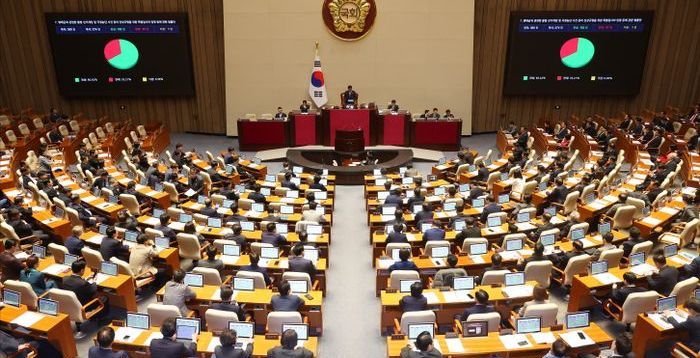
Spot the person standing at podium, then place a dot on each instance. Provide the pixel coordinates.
(280, 115)
(304, 107)
(350, 98)
(393, 107)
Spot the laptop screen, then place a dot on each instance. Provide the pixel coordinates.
(247, 226)
(11, 297)
(577, 320)
(231, 250)
(69, 259)
(157, 212)
(214, 222)
(113, 199)
(138, 320)
(102, 229)
(478, 249)
(407, 180)
(185, 218)
(504, 176)
(269, 252)
(637, 259)
(599, 267)
(515, 279)
(388, 210)
(227, 203)
(604, 228)
(589, 198)
(440, 251)
(478, 203)
(406, 285)
(523, 217)
(314, 229)
(243, 284)
(311, 254)
(270, 178)
(58, 212)
(528, 325)
(697, 294)
(286, 209)
(186, 328)
(244, 330)
(494, 221)
(670, 250)
(552, 210)
(548, 240)
(503, 198)
(425, 227)
(258, 207)
(108, 268)
(460, 225)
(439, 190)
(414, 330)
(666, 304)
(158, 187)
(292, 194)
(299, 286)
(201, 199)
(577, 234)
(301, 329)
(463, 188)
(542, 186)
(131, 236)
(194, 279)
(463, 283)
(475, 329)
(297, 170)
(320, 195)
(39, 251)
(450, 206)
(47, 306)
(514, 244)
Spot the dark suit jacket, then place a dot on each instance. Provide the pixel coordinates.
(233, 352)
(664, 282)
(467, 233)
(74, 245)
(489, 209)
(257, 197)
(558, 195)
(229, 307)
(434, 234)
(275, 239)
(22, 229)
(619, 295)
(693, 268)
(410, 303)
(167, 231)
(394, 199)
(279, 352)
(211, 212)
(98, 352)
(171, 349)
(403, 265)
(10, 266)
(112, 247)
(478, 308)
(286, 303)
(84, 290)
(482, 174)
(300, 264)
(289, 184)
(424, 216)
(396, 237)
(692, 325)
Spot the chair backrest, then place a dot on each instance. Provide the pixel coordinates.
(109, 127)
(171, 190)
(211, 276)
(255, 247)
(529, 188)
(11, 137)
(57, 251)
(583, 225)
(217, 320)
(189, 246)
(258, 278)
(492, 318)
(302, 224)
(131, 203)
(660, 197)
(93, 139)
(141, 130)
(8, 231)
(612, 256)
(547, 311)
(63, 130)
(624, 217)
(127, 141)
(24, 129)
(683, 290)
(518, 236)
(430, 245)
(134, 136)
(74, 126)
(689, 231)
(38, 123)
(93, 258)
(160, 312)
(27, 295)
(540, 271)
(275, 320)
(219, 244)
(153, 233)
(396, 276)
(68, 304)
(462, 168)
(298, 276)
(590, 188)
(100, 133)
(644, 247)
(494, 277)
(636, 303)
(570, 202)
(245, 204)
(493, 177)
(473, 240)
(123, 267)
(576, 265)
(639, 205)
(414, 317)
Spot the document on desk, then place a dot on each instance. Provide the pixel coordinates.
(515, 341)
(432, 297)
(216, 296)
(101, 277)
(477, 259)
(27, 319)
(597, 205)
(586, 243)
(543, 337)
(151, 221)
(127, 334)
(669, 210)
(643, 270)
(651, 221)
(510, 255)
(215, 342)
(574, 341)
(454, 345)
(607, 278)
(154, 335)
(679, 259)
(283, 263)
(517, 291)
(457, 296)
(56, 269)
(411, 237)
(95, 240)
(229, 260)
(385, 263)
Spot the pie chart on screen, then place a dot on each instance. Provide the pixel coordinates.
(576, 52)
(121, 54)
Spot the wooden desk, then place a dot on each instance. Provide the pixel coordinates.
(648, 335)
(263, 134)
(56, 329)
(443, 134)
(491, 345)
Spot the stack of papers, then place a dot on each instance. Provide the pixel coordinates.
(127, 334)
(385, 263)
(100, 277)
(651, 221)
(213, 344)
(517, 291)
(510, 255)
(574, 341)
(27, 319)
(457, 296)
(643, 270)
(660, 321)
(477, 259)
(515, 341)
(56, 269)
(543, 337)
(229, 260)
(454, 345)
(607, 278)
(668, 210)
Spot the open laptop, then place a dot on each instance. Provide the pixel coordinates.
(194, 279)
(247, 226)
(311, 254)
(475, 329)
(478, 203)
(514, 245)
(214, 222)
(463, 283)
(39, 251)
(388, 210)
(302, 330)
(478, 249)
(11, 297)
(514, 279)
(186, 328)
(267, 254)
(243, 284)
(299, 286)
(314, 230)
(578, 320)
(245, 333)
(548, 239)
(528, 325)
(131, 237)
(604, 228)
(666, 304)
(439, 191)
(450, 206)
(405, 285)
(320, 195)
(414, 330)
(138, 320)
(670, 250)
(578, 234)
(503, 198)
(157, 213)
(185, 218)
(47, 306)
(598, 267)
(460, 225)
(107, 270)
(257, 207)
(493, 221)
(69, 259)
(523, 217)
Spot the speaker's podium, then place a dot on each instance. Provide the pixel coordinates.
(349, 142)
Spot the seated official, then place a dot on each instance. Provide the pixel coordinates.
(416, 301)
(280, 114)
(228, 348)
(435, 114)
(284, 301)
(396, 236)
(177, 293)
(113, 247)
(448, 114)
(84, 290)
(693, 268)
(168, 346)
(105, 338)
(404, 263)
(539, 296)
(10, 266)
(227, 303)
(445, 277)
(424, 346)
(231, 157)
(304, 107)
(297, 263)
(625, 288)
(537, 255)
(317, 184)
(394, 198)
(270, 236)
(84, 214)
(690, 325)
(35, 277)
(470, 231)
(621, 348)
(256, 196)
(237, 235)
(164, 228)
(191, 228)
(607, 245)
(482, 305)
(211, 260)
(393, 106)
(208, 210)
(559, 193)
(496, 263)
(425, 115)
(288, 348)
(311, 214)
(288, 183)
(15, 347)
(350, 98)
(664, 281)
(141, 260)
(435, 233)
(195, 182)
(426, 215)
(491, 207)
(398, 219)
(253, 267)
(24, 229)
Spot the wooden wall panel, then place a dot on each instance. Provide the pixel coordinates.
(670, 76)
(27, 77)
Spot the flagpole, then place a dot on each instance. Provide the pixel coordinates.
(316, 48)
